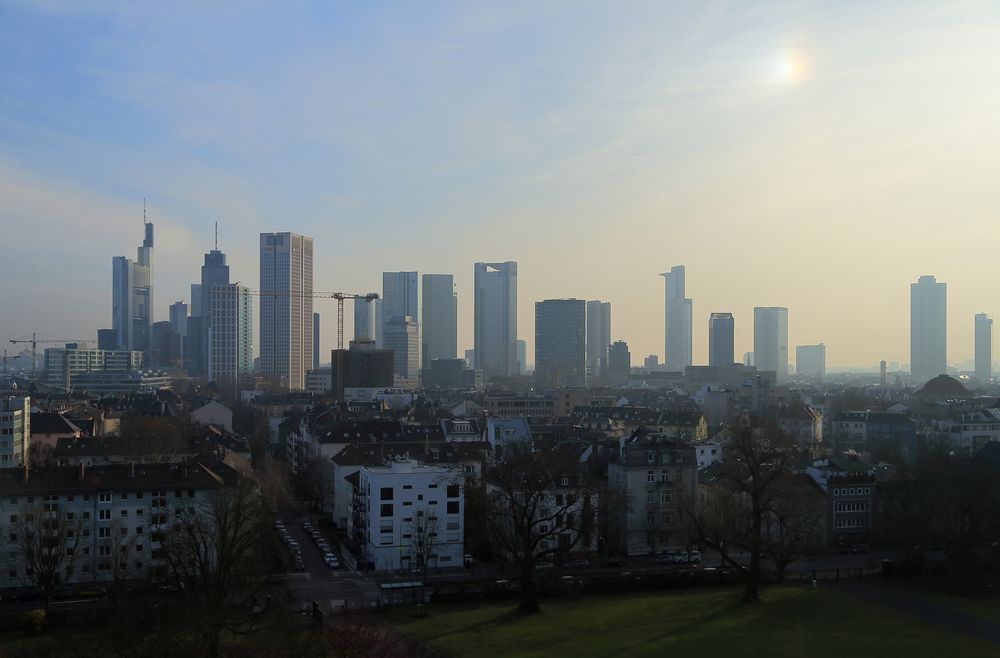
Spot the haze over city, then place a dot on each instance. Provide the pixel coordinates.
(821, 157)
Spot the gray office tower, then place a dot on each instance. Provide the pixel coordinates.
(496, 319)
(132, 296)
(365, 319)
(561, 343)
(721, 339)
(286, 307)
(928, 329)
(178, 318)
(400, 298)
(770, 340)
(315, 341)
(598, 338)
(438, 318)
(984, 348)
(677, 311)
(521, 347)
(214, 279)
(810, 362)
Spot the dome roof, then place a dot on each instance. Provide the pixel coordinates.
(944, 386)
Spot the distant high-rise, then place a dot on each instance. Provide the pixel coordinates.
(470, 358)
(810, 361)
(496, 319)
(365, 325)
(928, 329)
(721, 339)
(984, 348)
(598, 338)
(315, 341)
(619, 361)
(561, 343)
(652, 361)
(401, 338)
(438, 318)
(677, 310)
(178, 318)
(132, 296)
(286, 307)
(400, 298)
(214, 275)
(522, 355)
(770, 340)
(230, 343)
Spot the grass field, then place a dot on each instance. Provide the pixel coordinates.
(789, 621)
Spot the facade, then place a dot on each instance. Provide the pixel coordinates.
(519, 406)
(178, 318)
(365, 319)
(99, 371)
(677, 311)
(401, 337)
(195, 300)
(132, 296)
(230, 354)
(319, 380)
(286, 307)
(315, 360)
(619, 362)
(770, 340)
(164, 346)
(561, 343)
(984, 348)
(15, 430)
(496, 319)
(400, 299)
(928, 329)
(109, 506)
(521, 348)
(598, 338)
(399, 504)
(810, 362)
(364, 365)
(721, 339)
(438, 318)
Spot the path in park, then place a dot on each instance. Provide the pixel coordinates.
(923, 610)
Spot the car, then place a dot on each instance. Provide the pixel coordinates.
(576, 564)
(543, 566)
(331, 562)
(859, 549)
(663, 559)
(292, 544)
(278, 525)
(694, 557)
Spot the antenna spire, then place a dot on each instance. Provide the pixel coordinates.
(144, 210)
(216, 236)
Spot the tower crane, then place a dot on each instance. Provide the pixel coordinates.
(34, 350)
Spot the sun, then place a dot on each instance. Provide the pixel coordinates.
(791, 67)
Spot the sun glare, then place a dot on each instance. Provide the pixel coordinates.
(791, 67)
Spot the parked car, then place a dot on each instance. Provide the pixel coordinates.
(576, 564)
(694, 557)
(299, 565)
(543, 566)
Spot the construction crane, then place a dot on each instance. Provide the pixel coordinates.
(5, 360)
(34, 350)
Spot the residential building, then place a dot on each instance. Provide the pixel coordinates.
(496, 319)
(677, 311)
(410, 517)
(804, 425)
(561, 343)
(438, 319)
(810, 362)
(770, 340)
(721, 339)
(984, 348)
(15, 430)
(230, 333)
(132, 296)
(401, 337)
(214, 412)
(286, 307)
(598, 339)
(928, 329)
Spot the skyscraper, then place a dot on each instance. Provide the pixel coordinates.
(178, 318)
(770, 340)
(598, 338)
(928, 329)
(214, 275)
(439, 318)
(619, 362)
(132, 296)
(230, 342)
(286, 306)
(496, 319)
(400, 298)
(677, 311)
(721, 339)
(401, 338)
(195, 300)
(561, 343)
(810, 361)
(365, 325)
(984, 348)
(521, 348)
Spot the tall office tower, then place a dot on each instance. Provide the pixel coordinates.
(164, 346)
(928, 329)
(230, 346)
(496, 319)
(676, 320)
(107, 339)
(214, 275)
(365, 325)
(521, 348)
(195, 300)
(984, 348)
(598, 338)
(132, 296)
(400, 298)
(401, 337)
(315, 341)
(810, 361)
(619, 361)
(178, 318)
(561, 343)
(721, 339)
(883, 374)
(439, 318)
(286, 307)
(770, 340)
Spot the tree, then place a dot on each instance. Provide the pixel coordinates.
(155, 439)
(116, 552)
(210, 550)
(273, 480)
(47, 541)
(794, 522)
(540, 506)
(317, 480)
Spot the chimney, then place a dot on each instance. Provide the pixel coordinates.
(83, 471)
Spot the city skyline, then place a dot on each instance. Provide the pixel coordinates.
(788, 117)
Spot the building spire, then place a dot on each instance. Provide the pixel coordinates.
(143, 210)
(216, 236)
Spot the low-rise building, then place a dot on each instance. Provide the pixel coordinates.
(15, 430)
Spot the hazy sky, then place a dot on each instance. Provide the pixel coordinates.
(819, 156)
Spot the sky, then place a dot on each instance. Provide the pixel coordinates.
(814, 155)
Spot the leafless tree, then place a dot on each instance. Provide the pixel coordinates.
(154, 439)
(274, 481)
(793, 523)
(116, 552)
(318, 481)
(47, 541)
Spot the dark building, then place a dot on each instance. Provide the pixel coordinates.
(619, 361)
(364, 366)
(165, 347)
(444, 373)
(195, 358)
(107, 339)
(721, 336)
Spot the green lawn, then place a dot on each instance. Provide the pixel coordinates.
(790, 621)
(986, 608)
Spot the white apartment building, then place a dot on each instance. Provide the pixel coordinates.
(15, 430)
(400, 503)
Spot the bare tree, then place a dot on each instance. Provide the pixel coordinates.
(423, 537)
(116, 553)
(793, 523)
(47, 541)
(317, 479)
(155, 439)
(538, 508)
(274, 480)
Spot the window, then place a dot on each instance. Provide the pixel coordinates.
(104, 532)
(138, 530)
(432, 486)
(452, 507)
(407, 486)
(650, 476)
(124, 513)
(650, 457)
(124, 495)
(104, 514)
(386, 493)
(454, 491)
(650, 498)
(138, 495)
(564, 480)
(386, 510)
(665, 497)
(104, 498)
